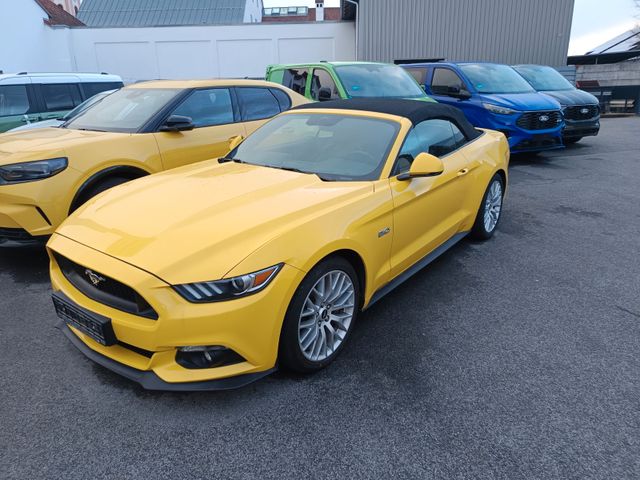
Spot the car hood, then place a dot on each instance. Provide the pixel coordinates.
(533, 101)
(572, 97)
(44, 143)
(198, 222)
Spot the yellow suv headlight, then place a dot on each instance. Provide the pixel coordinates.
(229, 288)
(31, 171)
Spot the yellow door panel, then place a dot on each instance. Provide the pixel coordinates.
(428, 211)
(182, 148)
(212, 113)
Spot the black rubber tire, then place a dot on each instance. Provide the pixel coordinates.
(98, 188)
(290, 355)
(571, 141)
(478, 231)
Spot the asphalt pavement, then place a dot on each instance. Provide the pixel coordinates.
(515, 358)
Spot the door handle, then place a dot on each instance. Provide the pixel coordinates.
(462, 172)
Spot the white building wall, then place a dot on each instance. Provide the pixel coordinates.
(27, 44)
(208, 51)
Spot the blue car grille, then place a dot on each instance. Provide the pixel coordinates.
(539, 120)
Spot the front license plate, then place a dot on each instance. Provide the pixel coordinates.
(96, 326)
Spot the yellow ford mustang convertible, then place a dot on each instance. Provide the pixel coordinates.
(211, 275)
(47, 173)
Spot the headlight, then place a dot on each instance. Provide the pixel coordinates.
(500, 110)
(30, 171)
(229, 288)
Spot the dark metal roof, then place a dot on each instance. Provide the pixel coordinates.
(153, 13)
(414, 110)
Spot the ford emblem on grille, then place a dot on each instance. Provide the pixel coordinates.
(93, 277)
(584, 111)
(543, 118)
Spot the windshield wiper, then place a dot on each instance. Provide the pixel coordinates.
(297, 170)
(229, 159)
(90, 129)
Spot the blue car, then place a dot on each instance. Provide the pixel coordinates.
(495, 96)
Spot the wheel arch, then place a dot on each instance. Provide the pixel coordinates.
(126, 171)
(358, 265)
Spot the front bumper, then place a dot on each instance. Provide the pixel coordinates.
(521, 140)
(149, 380)
(37, 207)
(582, 128)
(146, 349)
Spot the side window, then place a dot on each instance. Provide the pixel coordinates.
(458, 136)
(322, 80)
(207, 107)
(445, 79)
(283, 99)
(91, 88)
(62, 96)
(13, 100)
(419, 74)
(437, 137)
(256, 103)
(295, 79)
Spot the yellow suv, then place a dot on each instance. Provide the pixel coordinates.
(142, 129)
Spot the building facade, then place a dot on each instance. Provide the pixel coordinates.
(505, 31)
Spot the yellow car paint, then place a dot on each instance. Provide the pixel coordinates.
(242, 218)
(40, 206)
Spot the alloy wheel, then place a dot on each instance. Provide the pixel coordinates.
(493, 206)
(327, 314)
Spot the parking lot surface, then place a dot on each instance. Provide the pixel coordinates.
(516, 358)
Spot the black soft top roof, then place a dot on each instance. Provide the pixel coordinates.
(414, 110)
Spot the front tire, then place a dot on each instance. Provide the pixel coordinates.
(320, 317)
(97, 189)
(490, 210)
(571, 141)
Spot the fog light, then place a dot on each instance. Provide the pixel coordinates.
(206, 357)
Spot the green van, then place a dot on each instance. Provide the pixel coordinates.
(332, 80)
(27, 98)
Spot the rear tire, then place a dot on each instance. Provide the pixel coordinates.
(490, 210)
(98, 188)
(320, 317)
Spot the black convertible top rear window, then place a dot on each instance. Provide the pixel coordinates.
(414, 110)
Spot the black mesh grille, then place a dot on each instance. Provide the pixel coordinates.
(539, 120)
(581, 112)
(538, 141)
(17, 234)
(104, 289)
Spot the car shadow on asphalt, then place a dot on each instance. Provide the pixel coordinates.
(25, 264)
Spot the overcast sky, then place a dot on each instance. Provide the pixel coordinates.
(594, 21)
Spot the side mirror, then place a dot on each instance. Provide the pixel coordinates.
(424, 165)
(235, 141)
(456, 92)
(324, 94)
(177, 123)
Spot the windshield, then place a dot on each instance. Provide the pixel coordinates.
(126, 110)
(332, 146)
(544, 78)
(378, 80)
(86, 104)
(492, 78)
